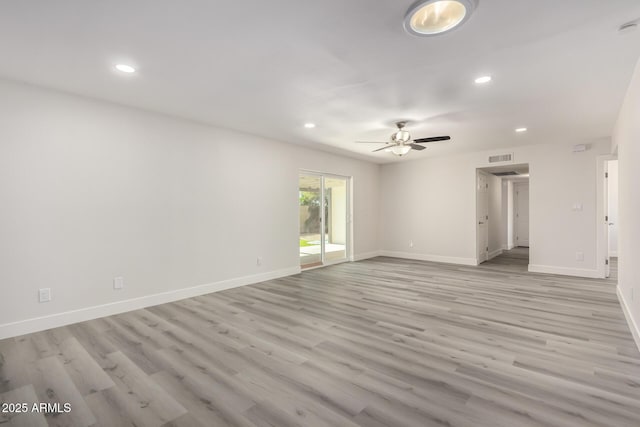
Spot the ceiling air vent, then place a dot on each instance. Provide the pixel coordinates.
(501, 158)
(506, 173)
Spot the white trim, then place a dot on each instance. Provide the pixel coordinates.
(635, 330)
(366, 255)
(495, 253)
(510, 246)
(37, 324)
(427, 257)
(613, 254)
(565, 271)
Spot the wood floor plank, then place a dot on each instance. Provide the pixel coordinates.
(84, 371)
(138, 395)
(53, 385)
(25, 395)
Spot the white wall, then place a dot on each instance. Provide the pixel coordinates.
(612, 191)
(436, 196)
(92, 190)
(627, 139)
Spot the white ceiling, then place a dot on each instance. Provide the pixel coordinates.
(266, 67)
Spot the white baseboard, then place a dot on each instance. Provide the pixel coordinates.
(635, 330)
(366, 255)
(564, 271)
(495, 253)
(28, 326)
(510, 246)
(427, 257)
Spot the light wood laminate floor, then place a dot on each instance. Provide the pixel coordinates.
(382, 342)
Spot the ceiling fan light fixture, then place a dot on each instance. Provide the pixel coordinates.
(433, 17)
(402, 136)
(400, 150)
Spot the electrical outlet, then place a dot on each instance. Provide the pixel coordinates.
(44, 295)
(579, 256)
(259, 261)
(411, 243)
(118, 282)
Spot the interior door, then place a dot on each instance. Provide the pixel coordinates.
(607, 266)
(522, 214)
(482, 216)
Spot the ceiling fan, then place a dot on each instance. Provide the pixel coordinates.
(401, 142)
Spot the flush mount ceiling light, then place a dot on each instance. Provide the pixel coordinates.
(521, 130)
(125, 68)
(309, 125)
(432, 17)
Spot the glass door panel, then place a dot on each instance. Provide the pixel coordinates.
(310, 204)
(335, 231)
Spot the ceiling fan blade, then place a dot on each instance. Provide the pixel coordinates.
(384, 148)
(417, 147)
(371, 142)
(432, 139)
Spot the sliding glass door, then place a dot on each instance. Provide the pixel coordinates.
(324, 219)
(310, 192)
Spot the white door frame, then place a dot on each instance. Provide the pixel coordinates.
(349, 237)
(602, 250)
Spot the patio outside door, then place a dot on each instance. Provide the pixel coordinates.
(324, 219)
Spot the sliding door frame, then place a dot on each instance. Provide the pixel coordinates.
(349, 223)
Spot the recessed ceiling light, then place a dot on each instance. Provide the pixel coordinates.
(483, 79)
(431, 17)
(520, 130)
(309, 125)
(125, 68)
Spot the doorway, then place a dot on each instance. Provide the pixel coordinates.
(612, 219)
(502, 217)
(521, 214)
(607, 225)
(482, 214)
(324, 212)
